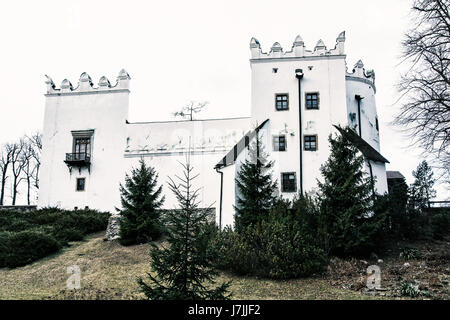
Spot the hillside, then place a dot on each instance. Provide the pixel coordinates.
(109, 271)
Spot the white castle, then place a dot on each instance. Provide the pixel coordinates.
(299, 97)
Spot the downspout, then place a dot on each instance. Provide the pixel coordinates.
(359, 98)
(371, 178)
(221, 193)
(299, 76)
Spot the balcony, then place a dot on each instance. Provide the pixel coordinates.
(78, 160)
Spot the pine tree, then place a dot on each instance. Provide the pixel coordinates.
(141, 200)
(397, 201)
(421, 191)
(256, 189)
(185, 268)
(346, 200)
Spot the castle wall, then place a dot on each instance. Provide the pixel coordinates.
(164, 145)
(103, 110)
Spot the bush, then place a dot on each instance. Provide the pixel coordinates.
(440, 224)
(410, 253)
(21, 248)
(31, 235)
(278, 247)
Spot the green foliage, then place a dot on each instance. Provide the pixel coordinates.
(185, 267)
(282, 245)
(399, 219)
(348, 219)
(31, 235)
(255, 187)
(421, 191)
(410, 253)
(23, 247)
(407, 289)
(141, 198)
(440, 223)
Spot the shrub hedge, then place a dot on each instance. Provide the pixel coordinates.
(282, 245)
(28, 236)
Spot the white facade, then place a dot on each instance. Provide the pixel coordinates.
(99, 114)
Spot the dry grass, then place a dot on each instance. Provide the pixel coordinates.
(109, 271)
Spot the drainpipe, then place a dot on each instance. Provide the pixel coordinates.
(221, 193)
(359, 98)
(371, 178)
(299, 76)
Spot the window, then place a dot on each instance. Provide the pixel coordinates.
(274, 70)
(279, 143)
(376, 124)
(81, 184)
(288, 182)
(312, 100)
(282, 101)
(310, 143)
(82, 146)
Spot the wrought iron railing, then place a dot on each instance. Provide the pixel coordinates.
(78, 157)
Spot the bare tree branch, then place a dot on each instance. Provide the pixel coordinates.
(424, 88)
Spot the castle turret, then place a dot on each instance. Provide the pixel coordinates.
(84, 139)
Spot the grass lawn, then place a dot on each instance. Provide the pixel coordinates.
(109, 271)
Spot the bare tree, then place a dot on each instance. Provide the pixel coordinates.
(17, 166)
(190, 109)
(36, 146)
(425, 111)
(5, 161)
(29, 167)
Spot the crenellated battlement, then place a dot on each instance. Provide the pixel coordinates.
(359, 73)
(298, 49)
(86, 86)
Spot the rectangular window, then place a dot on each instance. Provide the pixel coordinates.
(80, 184)
(81, 148)
(312, 100)
(288, 182)
(376, 124)
(279, 143)
(282, 101)
(310, 143)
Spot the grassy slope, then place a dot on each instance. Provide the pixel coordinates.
(109, 271)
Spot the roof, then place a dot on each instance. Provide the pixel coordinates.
(231, 156)
(366, 149)
(394, 175)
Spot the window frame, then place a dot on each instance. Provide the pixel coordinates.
(283, 180)
(317, 99)
(84, 184)
(83, 134)
(287, 101)
(316, 142)
(276, 142)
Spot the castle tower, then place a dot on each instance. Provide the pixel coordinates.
(83, 139)
(305, 94)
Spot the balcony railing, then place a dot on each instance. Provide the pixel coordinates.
(78, 157)
(79, 160)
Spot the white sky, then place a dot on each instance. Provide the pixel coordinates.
(177, 51)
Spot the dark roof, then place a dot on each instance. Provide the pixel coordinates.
(231, 156)
(366, 149)
(394, 175)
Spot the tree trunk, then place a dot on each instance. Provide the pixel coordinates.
(14, 192)
(28, 189)
(2, 190)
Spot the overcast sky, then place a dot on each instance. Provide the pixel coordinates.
(177, 51)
